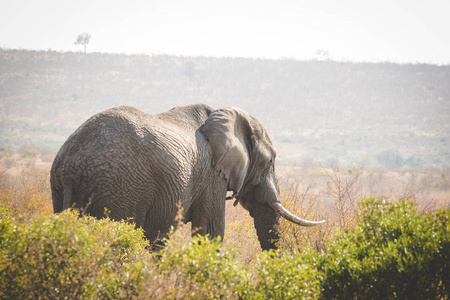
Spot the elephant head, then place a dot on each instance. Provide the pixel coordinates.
(243, 154)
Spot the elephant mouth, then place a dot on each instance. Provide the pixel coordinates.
(276, 206)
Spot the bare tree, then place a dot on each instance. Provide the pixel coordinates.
(346, 192)
(83, 39)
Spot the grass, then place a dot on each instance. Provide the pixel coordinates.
(311, 193)
(393, 251)
(192, 269)
(27, 193)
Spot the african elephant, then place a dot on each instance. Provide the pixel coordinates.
(148, 167)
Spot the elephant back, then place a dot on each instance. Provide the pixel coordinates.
(111, 147)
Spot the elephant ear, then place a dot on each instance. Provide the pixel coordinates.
(228, 132)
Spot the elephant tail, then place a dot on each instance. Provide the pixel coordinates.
(67, 196)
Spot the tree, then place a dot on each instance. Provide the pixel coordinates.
(189, 70)
(83, 39)
(390, 159)
(323, 54)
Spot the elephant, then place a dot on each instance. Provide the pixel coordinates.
(125, 164)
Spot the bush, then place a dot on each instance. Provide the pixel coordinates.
(63, 255)
(199, 270)
(66, 256)
(281, 275)
(394, 252)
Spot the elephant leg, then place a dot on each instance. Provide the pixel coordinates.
(213, 227)
(155, 238)
(209, 222)
(157, 229)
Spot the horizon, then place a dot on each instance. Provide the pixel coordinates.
(402, 32)
(312, 59)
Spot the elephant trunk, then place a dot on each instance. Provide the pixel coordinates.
(291, 217)
(266, 224)
(266, 209)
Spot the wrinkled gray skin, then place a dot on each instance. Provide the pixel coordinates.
(146, 167)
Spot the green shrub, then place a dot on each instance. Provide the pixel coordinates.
(281, 275)
(63, 255)
(394, 252)
(199, 270)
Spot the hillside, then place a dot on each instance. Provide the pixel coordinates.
(379, 114)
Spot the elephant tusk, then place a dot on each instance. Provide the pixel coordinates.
(291, 217)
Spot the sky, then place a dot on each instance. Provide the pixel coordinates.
(400, 31)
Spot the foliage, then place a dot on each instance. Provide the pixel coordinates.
(200, 270)
(391, 159)
(63, 255)
(281, 275)
(394, 252)
(83, 39)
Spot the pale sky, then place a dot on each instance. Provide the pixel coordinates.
(403, 31)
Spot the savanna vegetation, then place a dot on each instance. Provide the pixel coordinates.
(394, 245)
(384, 114)
(364, 145)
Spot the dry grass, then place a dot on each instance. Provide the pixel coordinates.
(240, 234)
(311, 193)
(27, 193)
(335, 194)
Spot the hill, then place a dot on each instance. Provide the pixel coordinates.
(379, 114)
